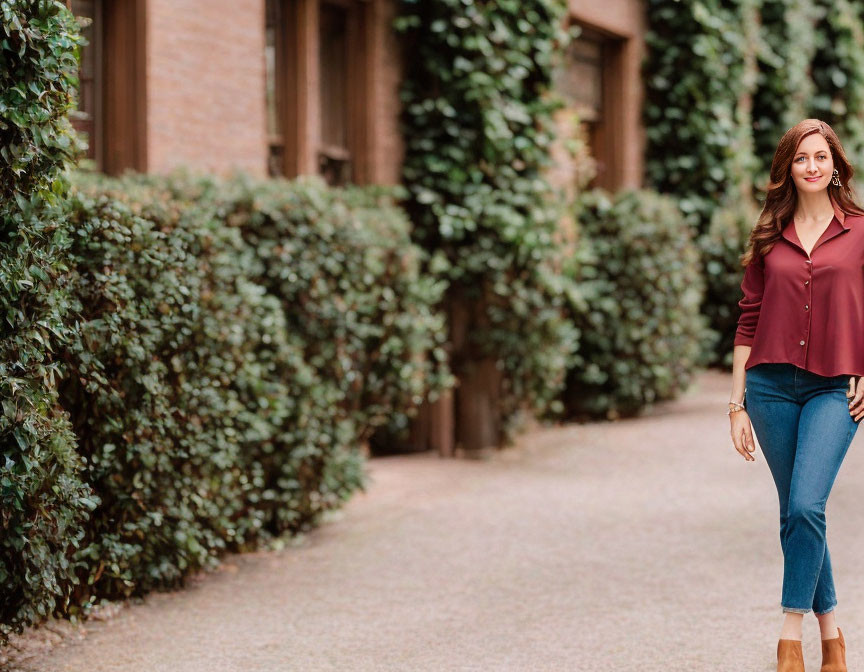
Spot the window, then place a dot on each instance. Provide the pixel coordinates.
(111, 96)
(273, 51)
(334, 152)
(87, 119)
(317, 87)
(599, 84)
(586, 77)
(582, 83)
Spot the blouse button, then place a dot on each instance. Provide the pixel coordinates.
(801, 343)
(806, 282)
(806, 307)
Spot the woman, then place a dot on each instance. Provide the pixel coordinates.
(798, 361)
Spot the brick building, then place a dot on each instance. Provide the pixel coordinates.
(302, 86)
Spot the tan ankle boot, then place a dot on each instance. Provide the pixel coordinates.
(834, 654)
(790, 656)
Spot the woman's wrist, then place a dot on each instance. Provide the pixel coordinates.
(736, 405)
(733, 399)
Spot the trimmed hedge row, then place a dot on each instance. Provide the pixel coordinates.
(721, 247)
(638, 271)
(233, 343)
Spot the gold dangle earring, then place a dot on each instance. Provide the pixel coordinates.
(835, 180)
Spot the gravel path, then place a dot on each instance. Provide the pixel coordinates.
(646, 544)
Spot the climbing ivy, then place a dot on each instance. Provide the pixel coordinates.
(838, 73)
(43, 502)
(784, 84)
(696, 81)
(478, 126)
(725, 80)
(811, 64)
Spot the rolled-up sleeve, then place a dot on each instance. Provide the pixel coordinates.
(752, 286)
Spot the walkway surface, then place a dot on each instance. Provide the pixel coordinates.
(646, 544)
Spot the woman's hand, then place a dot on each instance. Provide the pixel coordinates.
(855, 394)
(742, 433)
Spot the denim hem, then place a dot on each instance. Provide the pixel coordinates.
(828, 610)
(795, 611)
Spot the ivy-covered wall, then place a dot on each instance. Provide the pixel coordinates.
(838, 73)
(696, 85)
(478, 126)
(187, 365)
(724, 80)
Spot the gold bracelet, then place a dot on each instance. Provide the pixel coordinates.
(734, 406)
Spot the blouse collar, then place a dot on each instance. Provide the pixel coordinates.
(839, 214)
(831, 230)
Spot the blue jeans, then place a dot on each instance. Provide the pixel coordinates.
(804, 428)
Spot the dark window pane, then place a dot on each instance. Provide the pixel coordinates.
(334, 156)
(580, 80)
(85, 118)
(277, 70)
(273, 126)
(276, 160)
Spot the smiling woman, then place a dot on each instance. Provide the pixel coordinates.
(799, 359)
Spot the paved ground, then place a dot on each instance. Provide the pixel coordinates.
(647, 544)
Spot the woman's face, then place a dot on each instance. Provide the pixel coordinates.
(812, 164)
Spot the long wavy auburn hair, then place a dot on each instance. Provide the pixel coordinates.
(782, 194)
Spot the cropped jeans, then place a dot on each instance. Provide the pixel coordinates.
(804, 428)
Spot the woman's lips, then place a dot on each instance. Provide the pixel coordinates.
(813, 179)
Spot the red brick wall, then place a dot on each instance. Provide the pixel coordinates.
(205, 85)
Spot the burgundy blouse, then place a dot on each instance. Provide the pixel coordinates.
(808, 310)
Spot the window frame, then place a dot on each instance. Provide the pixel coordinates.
(297, 90)
(119, 137)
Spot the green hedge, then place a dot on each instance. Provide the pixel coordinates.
(238, 341)
(181, 374)
(352, 285)
(230, 346)
(637, 308)
(722, 246)
(43, 501)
